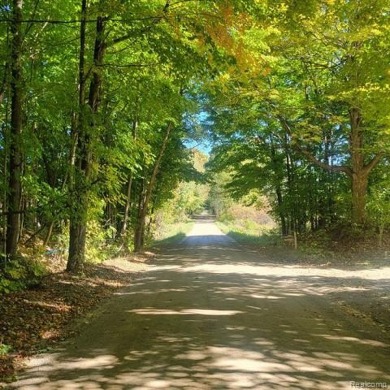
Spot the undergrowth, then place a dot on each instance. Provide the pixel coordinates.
(20, 273)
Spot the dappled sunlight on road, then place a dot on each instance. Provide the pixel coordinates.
(218, 317)
(373, 343)
(181, 363)
(285, 270)
(100, 361)
(204, 312)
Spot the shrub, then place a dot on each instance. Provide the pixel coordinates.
(20, 273)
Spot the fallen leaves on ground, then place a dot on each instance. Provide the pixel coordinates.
(35, 319)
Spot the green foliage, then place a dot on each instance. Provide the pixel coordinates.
(378, 205)
(7, 285)
(189, 199)
(272, 82)
(100, 245)
(20, 273)
(5, 349)
(251, 233)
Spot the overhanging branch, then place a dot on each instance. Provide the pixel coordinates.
(323, 165)
(330, 168)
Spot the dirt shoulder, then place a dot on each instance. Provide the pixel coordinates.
(35, 320)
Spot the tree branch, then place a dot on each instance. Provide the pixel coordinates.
(325, 166)
(76, 21)
(310, 157)
(373, 163)
(155, 21)
(135, 65)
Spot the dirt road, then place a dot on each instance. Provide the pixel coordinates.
(210, 314)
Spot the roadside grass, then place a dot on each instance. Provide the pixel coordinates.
(249, 232)
(319, 249)
(172, 233)
(265, 238)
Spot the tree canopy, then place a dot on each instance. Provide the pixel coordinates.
(99, 98)
(307, 120)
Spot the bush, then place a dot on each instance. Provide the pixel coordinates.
(100, 244)
(20, 273)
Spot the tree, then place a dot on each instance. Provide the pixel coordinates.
(85, 138)
(342, 69)
(317, 86)
(91, 74)
(147, 193)
(15, 136)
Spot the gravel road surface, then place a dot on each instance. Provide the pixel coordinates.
(211, 314)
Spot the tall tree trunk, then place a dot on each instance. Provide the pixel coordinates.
(359, 195)
(360, 170)
(4, 194)
(278, 191)
(76, 233)
(140, 223)
(289, 163)
(82, 178)
(143, 209)
(359, 173)
(15, 141)
(126, 214)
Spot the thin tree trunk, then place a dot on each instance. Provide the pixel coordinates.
(127, 205)
(292, 215)
(4, 82)
(5, 181)
(48, 233)
(140, 228)
(381, 231)
(129, 189)
(15, 141)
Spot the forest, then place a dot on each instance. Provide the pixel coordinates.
(100, 100)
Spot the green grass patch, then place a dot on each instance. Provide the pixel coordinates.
(172, 233)
(249, 232)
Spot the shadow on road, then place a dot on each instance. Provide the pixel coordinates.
(209, 315)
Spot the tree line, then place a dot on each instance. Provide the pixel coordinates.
(94, 96)
(304, 116)
(98, 97)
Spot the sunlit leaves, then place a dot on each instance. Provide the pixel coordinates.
(315, 62)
